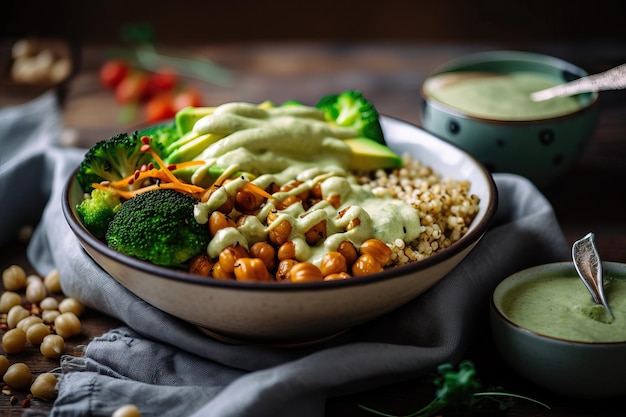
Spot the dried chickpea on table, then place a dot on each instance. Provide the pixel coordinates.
(33, 313)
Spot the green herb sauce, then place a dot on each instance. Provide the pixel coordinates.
(279, 145)
(499, 96)
(561, 306)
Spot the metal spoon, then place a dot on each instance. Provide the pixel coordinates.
(589, 268)
(613, 79)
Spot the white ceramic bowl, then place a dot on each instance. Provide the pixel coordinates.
(574, 369)
(272, 313)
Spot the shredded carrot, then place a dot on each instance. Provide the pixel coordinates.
(165, 179)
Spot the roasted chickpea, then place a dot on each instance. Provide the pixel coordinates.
(201, 264)
(316, 233)
(247, 201)
(283, 269)
(338, 276)
(366, 264)
(218, 272)
(305, 272)
(347, 249)
(265, 252)
(228, 204)
(251, 269)
(218, 221)
(229, 255)
(333, 263)
(287, 251)
(378, 249)
(278, 232)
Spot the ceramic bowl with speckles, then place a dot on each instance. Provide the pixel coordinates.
(481, 102)
(289, 314)
(547, 328)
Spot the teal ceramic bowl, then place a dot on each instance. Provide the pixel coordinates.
(587, 370)
(538, 141)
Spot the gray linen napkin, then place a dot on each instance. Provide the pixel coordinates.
(168, 368)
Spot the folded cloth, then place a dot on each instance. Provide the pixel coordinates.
(168, 368)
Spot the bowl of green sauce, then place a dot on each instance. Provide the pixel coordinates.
(481, 102)
(548, 329)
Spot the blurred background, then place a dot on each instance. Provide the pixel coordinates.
(194, 22)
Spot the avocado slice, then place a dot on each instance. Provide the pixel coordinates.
(368, 155)
(187, 117)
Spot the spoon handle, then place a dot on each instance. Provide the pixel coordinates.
(589, 267)
(613, 79)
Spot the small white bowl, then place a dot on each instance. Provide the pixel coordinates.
(271, 313)
(575, 369)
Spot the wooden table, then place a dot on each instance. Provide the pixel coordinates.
(590, 198)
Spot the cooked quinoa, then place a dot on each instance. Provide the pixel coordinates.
(446, 207)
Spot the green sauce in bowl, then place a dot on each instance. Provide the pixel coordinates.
(499, 96)
(560, 306)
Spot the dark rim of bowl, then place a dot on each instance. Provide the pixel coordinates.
(505, 56)
(508, 321)
(163, 272)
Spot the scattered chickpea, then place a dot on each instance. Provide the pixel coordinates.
(28, 321)
(36, 291)
(128, 410)
(9, 299)
(52, 281)
(71, 305)
(18, 376)
(36, 333)
(4, 364)
(67, 325)
(48, 316)
(49, 303)
(52, 346)
(229, 255)
(14, 341)
(14, 278)
(15, 314)
(44, 386)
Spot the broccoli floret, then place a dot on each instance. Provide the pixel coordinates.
(114, 159)
(165, 133)
(96, 212)
(158, 226)
(351, 109)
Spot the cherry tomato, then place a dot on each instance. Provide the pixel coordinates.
(112, 73)
(188, 97)
(164, 80)
(159, 107)
(132, 89)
